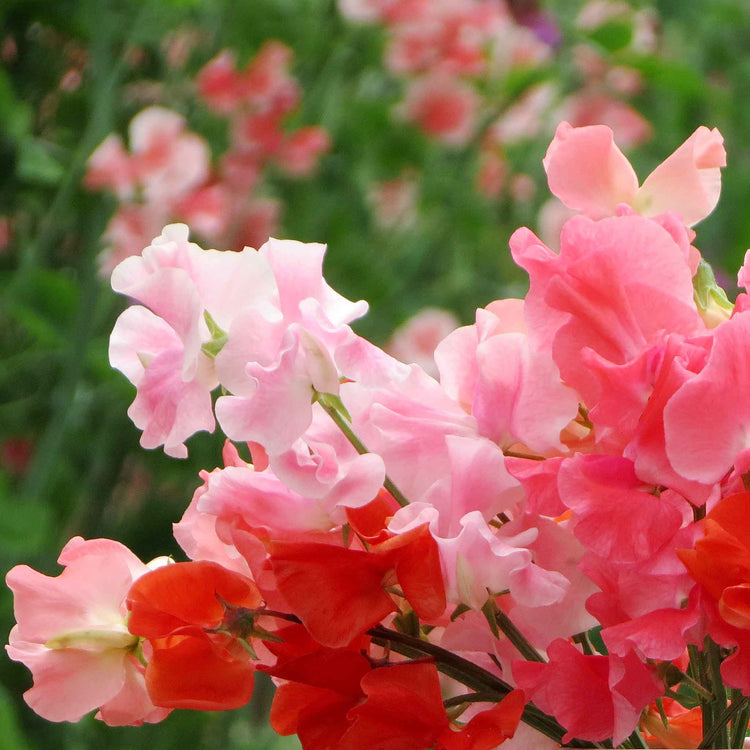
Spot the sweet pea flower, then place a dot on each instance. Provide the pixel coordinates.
(443, 106)
(415, 340)
(593, 697)
(278, 354)
(72, 635)
(589, 173)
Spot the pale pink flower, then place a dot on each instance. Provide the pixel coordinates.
(160, 349)
(394, 202)
(415, 340)
(72, 635)
(168, 160)
(589, 173)
(512, 388)
(280, 352)
(131, 228)
(110, 167)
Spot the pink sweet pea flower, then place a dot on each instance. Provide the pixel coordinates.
(614, 288)
(301, 150)
(593, 697)
(588, 173)
(168, 160)
(707, 420)
(160, 349)
(72, 635)
(282, 349)
(443, 106)
(512, 388)
(416, 339)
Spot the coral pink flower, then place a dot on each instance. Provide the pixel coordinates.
(587, 172)
(219, 84)
(703, 444)
(300, 151)
(593, 697)
(443, 106)
(71, 634)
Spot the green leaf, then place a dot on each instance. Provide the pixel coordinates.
(36, 165)
(614, 35)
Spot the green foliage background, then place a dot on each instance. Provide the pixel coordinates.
(88, 475)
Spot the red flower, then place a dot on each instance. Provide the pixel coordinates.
(335, 698)
(339, 593)
(192, 615)
(720, 561)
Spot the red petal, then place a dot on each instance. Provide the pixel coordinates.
(168, 598)
(318, 716)
(370, 520)
(490, 728)
(404, 710)
(190, 674)
(336, 592)
(417, 563)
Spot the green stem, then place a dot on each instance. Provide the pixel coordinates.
(720, 694)
(459, 700)
(516, 637)
(326, 402)
(723, 720)
(636, 741)
(700, 674)
(474, 677)
(740, 721)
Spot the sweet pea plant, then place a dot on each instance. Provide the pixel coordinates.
(546, 544)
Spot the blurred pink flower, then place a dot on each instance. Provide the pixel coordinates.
(443, 106)
(416, 339)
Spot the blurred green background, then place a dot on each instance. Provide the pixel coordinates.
(70, 461)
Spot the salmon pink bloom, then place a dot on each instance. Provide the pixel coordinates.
(704, 444)
(72, 635)
(587, 172)
(193, 615)
(443, 106)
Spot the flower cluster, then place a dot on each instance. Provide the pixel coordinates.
(167, 175)
(456, 56)
(556, 524)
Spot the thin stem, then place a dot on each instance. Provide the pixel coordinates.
(740, 721)
(516, 637)
(700, 673)
(723, 720)
(474, 677)
(458, 700)
(636, 741)
(529, 456)
(719, 691)
(343, 424)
